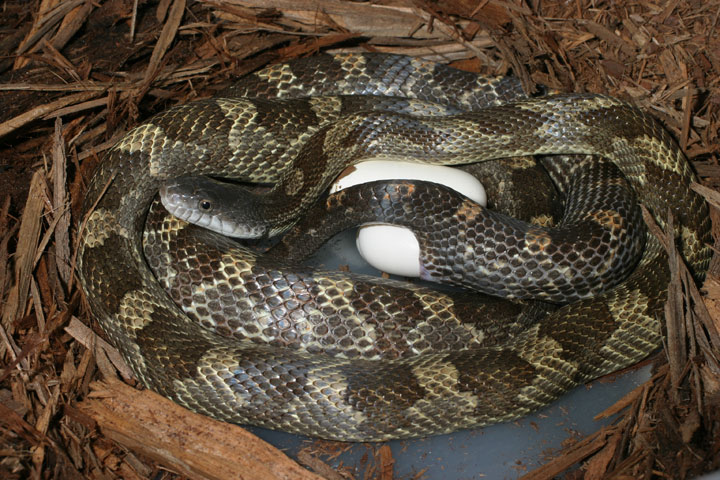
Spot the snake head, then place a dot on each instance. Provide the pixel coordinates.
(218, 206)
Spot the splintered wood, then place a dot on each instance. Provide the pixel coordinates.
(186, 442)
(76, 74)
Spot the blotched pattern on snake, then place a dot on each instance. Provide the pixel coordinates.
(430, 383)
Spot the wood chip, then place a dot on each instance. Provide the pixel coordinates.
(43, 111)
(28, 237)
(167, 35)
(184, 441)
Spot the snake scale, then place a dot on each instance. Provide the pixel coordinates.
(595, 244)
(490, 373)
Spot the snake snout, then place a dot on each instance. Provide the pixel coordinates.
(173, 199)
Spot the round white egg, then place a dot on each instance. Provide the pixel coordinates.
(391, 248)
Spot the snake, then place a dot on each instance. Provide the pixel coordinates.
(437, 379)
(460, 242)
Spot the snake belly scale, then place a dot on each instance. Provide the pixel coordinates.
(245, 381)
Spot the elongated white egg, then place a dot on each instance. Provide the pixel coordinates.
(391, 248)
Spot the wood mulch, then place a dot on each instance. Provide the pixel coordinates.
(76, 74)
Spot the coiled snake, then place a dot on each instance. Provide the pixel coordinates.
(254, 374)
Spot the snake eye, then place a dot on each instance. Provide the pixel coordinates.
(205, 205)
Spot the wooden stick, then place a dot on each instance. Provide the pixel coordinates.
(43, 110)
(186, 442)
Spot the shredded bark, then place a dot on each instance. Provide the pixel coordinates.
(76, 74)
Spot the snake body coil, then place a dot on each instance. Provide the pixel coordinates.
(431, 382)
(595, 245)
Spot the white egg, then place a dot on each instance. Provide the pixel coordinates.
(391, 248)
